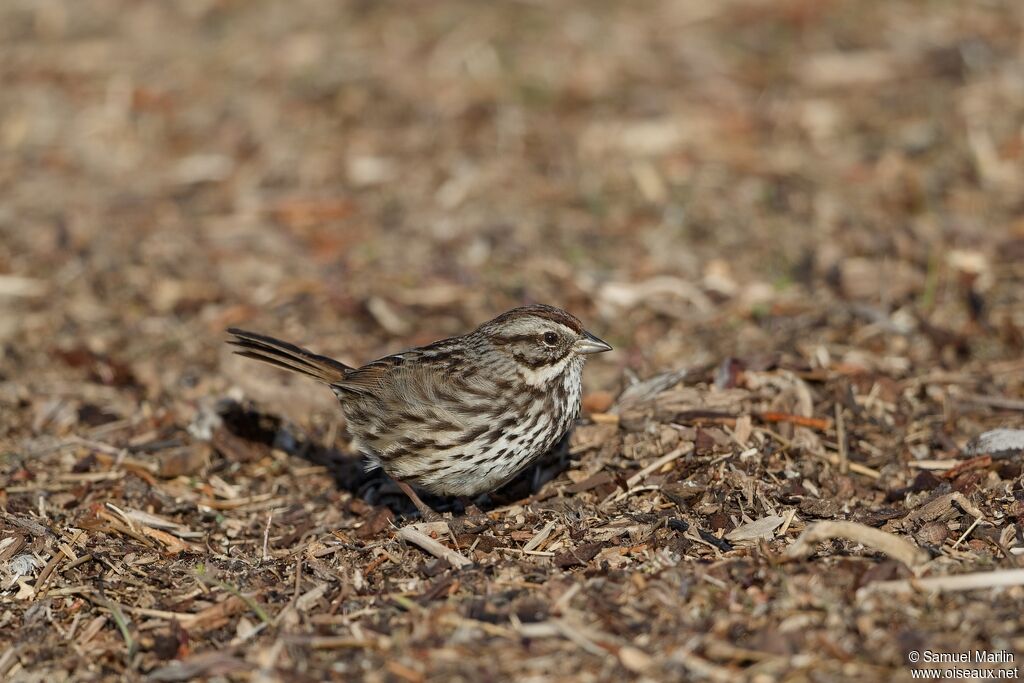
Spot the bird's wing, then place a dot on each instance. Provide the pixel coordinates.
(408, 374)
(423, 382)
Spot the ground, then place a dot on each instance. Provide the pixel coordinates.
(800, 223)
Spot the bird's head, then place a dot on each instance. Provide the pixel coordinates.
(540, 336)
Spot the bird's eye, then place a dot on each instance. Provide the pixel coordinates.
(550, 338)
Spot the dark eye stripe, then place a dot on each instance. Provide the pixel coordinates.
(536, 363)
(512, 339)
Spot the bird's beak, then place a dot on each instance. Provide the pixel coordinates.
(588, 343)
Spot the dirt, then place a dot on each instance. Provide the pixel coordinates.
(800, 224)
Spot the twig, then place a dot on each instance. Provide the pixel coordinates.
(81, 560)
(993, 401)
(702, 668)
(976, 522)
(658, 464)
(372, 565)
(818, 423)
(123, 515)
(539, 537)
(57, 558)
(536, 553)
(332, 642)
(976, 463)
(63, 551)
(266, 537)
(298, 580)
(892, 545)
(436, 549)
(9, 658)
(844, 454)
(933, 465)
(963, 582)
(653, 467)
(156, 522)
(114, 456)
(565, 598)
(562, 627)
(854, 467)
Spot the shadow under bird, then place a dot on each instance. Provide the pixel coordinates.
(461, 416)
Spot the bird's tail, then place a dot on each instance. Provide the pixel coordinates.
(287, 356)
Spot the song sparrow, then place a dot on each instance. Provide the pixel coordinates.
(461, 416)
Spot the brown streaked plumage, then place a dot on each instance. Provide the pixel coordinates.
(461, 416)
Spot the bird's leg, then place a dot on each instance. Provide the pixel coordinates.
(426, 513)
(469, 507)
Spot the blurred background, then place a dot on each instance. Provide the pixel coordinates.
(695, 179)
(815, 205)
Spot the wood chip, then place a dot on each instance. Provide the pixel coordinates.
(758, 529)
(433, 547)
(999, 443)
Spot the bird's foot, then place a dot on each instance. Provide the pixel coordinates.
(426, 513)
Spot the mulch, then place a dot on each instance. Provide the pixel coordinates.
(798, 223)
